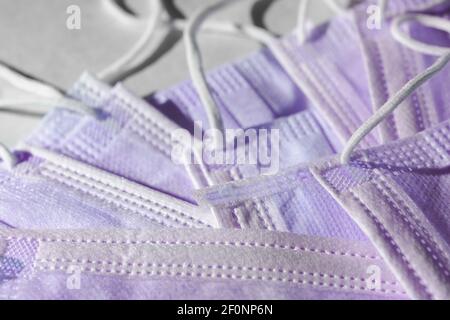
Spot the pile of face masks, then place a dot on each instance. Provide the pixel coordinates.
(136, 201)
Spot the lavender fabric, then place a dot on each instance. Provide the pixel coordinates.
(396, 193)
(184, 264)
(323, 223)
(345, 94)
(389, 65)
(126, 131)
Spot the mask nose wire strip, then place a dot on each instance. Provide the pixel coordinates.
(120, 66)
(195, 62)
(412, 85)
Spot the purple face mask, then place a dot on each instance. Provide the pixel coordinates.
(339, 90)
(397, 194)
(320, 67)
(127, 131)
(389, 65)
(253, 94)
(184, 264)
(82, 172)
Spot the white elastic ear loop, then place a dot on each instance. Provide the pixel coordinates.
(8, 158)
(195, 63)
(45, 96)
(444, 57)
(391, 105)
(62, 102)
(429, 21)
(124, 63)
(19, 81)
(118, 11)
(232, 28)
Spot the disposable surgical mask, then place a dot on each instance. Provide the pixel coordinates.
(128, 140)
(253, 95)
(382, 189)
(185, 264)
(330, 68)
(390, 65)
(86, 172)
(396, 193)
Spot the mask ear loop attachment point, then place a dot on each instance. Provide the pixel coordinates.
(443, 55)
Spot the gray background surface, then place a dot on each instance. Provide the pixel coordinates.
(35, 40)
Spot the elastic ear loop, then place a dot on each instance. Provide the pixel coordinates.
(426, 20)
(49, 96)
(127, 61)
(195, 62)
(413, 84)
(52, 97)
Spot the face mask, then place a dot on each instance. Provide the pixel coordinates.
(183, 264)
(292, 201)
(48, 190)
(69, 180)
(253, 94)
(250, 92)
(382, 189)
(129, 132)
(390, 65)
(398, 194)
(320, 67)
(263, 150)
